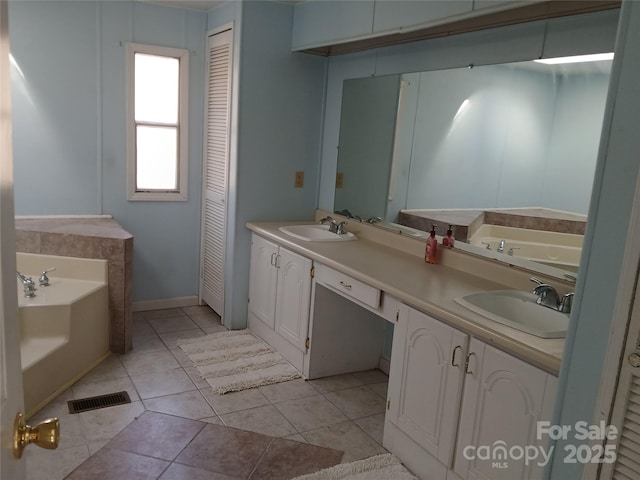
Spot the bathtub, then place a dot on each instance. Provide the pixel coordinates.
(561, 250)
(64, 329)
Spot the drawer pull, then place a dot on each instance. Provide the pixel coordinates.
(345, 285)
(466, 363)
(453, 356)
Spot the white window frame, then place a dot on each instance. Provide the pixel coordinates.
(180, 194)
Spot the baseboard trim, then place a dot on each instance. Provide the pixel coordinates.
(385, 365)
(175, 302)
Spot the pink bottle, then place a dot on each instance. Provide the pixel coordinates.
(432, 246)
(448, 241)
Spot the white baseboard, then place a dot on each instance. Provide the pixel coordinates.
(175, 302)
(384, 365)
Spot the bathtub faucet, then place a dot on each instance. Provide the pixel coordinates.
(28, 284)
(44, 279)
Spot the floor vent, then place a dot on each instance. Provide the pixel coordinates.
(101, 401)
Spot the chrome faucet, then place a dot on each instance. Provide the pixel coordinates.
(373, 220)
(28, 284)
(44, 279)
(501, 247)
(334, 227)
(548, 297)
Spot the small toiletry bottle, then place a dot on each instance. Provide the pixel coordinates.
(432, 245)
(448, 241)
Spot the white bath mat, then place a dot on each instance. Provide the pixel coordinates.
(237, 360)
(380, 467)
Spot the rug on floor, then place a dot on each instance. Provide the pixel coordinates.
(236, 360)
(380, 467)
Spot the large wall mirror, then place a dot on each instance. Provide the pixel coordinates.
(506, 153)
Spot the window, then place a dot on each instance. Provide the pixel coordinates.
(157, 98)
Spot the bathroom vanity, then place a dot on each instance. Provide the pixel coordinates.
(456, 378)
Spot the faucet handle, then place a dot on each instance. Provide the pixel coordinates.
(44, 279)
(565, 303)
(340, 228)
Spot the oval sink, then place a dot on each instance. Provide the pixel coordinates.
(518, 310)
(316, 233)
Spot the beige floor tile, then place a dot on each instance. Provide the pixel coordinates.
(140, 326)
(215, 420)
(153, 362)
(296, 437)
(196, 378)
(104, 424)
(172, 324)
(110, 368)
(187, 405)
(336, 382)
(71, 429)
(45, 464)
(373, 426)
(161, 313)
(147, 343)
(310, 413)
(159, 384)
(371, 376)
(217, 329)
(235, 401)
(170, 339)
(83, 389)
(266, 420)
(279, 392)
(357, 402)
(379, 388)
(181, 357)
(347, 437)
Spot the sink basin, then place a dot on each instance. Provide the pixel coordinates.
(518, 310)
(316, 233)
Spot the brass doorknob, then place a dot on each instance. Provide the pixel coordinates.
(46, 434)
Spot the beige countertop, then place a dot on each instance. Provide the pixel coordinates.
(429, 288)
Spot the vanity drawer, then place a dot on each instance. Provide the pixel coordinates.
(348, 286)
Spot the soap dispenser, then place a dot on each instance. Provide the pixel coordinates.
(448, 241)
(432, 245)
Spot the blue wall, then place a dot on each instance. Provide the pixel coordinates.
(69, 135)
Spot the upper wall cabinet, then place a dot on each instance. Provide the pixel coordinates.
(318, 23)
(395, 16)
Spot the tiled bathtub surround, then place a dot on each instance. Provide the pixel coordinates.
(466, 222)
(101, 238)
(344, 413)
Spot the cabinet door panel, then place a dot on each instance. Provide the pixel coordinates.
(400, 14)
(293, 297)
(425, 386)
(263, 280)
(503, 399)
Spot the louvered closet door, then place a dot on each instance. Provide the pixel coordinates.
(626, 410)
(214, 210)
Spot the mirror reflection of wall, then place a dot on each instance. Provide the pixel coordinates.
(367, 126)
(497, 136)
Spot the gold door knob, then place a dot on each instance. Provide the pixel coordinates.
(46, 434)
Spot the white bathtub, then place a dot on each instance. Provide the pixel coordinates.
(64, 328)
(560, 250)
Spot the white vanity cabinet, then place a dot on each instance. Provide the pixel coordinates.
(279, 298)
(448, 391)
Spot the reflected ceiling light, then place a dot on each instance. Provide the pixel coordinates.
(15, 65)
(596, 57)
(464, 105)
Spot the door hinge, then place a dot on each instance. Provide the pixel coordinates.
(307, 343)
(397, 315)
(388, 404)
(312, 272)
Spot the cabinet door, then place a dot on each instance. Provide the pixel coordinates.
(263, 278)
(425, 381)
(293, 297)
(397, 15)
(504, 398)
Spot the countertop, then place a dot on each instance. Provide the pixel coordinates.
(429, 288)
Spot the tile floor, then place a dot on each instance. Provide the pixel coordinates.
(344, 412)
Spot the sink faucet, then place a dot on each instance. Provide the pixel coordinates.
(334, 227)
(548, 297)
(28, 284)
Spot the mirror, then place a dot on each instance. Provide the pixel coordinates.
(510, 145)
